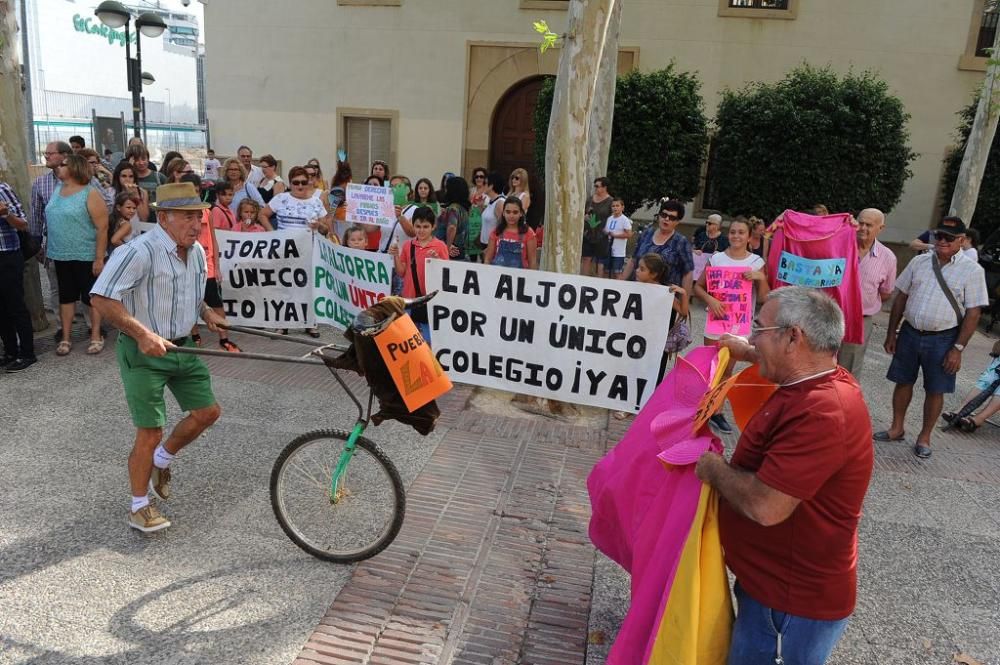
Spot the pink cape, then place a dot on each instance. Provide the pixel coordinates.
(642, 509)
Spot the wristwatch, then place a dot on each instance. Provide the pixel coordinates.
(958, 347)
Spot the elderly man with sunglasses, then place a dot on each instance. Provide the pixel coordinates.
(941, 295)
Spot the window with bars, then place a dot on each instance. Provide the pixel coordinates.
(987, 32)
(758, 4)
(368, 139)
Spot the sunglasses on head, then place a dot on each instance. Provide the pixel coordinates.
(300, 182)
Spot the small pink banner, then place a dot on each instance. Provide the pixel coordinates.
(736, 295)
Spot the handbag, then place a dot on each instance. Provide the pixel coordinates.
(29, 246)
(679, 336)
(947, 291)
(418, 312)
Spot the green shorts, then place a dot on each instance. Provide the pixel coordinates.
(144, 378)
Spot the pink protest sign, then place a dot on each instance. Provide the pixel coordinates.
(726, 284)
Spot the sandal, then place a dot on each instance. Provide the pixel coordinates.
(63, 348)
(967, 425)
(313, 332)
(948, 416)
(95, 346)
(196, 338)
(229, 345)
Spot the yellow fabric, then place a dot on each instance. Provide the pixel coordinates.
(697, 621)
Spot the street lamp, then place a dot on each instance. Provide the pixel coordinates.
(115, 15)
(147, 79)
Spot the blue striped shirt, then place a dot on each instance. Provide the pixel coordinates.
(9, 241)
(160, 290)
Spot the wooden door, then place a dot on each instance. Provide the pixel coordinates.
(512, 141)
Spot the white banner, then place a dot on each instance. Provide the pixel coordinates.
(346, 281)
(265, 278)
(575, 339)
(370, 204)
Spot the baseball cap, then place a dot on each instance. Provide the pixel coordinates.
(952, 225)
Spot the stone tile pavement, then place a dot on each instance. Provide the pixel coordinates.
(492, 565)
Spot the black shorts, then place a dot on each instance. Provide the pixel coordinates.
(596, 249)
(76, 279)
(213, 294)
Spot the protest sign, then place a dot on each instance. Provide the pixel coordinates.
(265, 277)
(813, 273)
(413, 367)
(726, 284)
(370, 204)
(700, 263)
(346, 281)
(577, 339)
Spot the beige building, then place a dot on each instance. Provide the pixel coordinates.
(446, 85)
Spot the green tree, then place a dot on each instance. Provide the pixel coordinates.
(814, 137)
(659, 136)
(987, 216)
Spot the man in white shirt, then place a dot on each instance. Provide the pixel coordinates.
(254, 172)
(936, 330)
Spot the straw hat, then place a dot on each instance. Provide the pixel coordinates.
(178, 196)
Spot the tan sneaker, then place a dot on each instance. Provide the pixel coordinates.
(159, 483)
(148, 519)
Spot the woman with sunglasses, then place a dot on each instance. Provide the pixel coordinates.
(478, 196)
(316, 180)
(271, 184)
(518, 186)
(297, 208)
(663, 239)
(176, 169)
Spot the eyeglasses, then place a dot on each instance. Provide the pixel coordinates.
(947, 237)
(479, 176)
(300, 183)
(666, 215)
(756, 330)
(515, 177)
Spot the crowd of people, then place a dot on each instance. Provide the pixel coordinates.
(85, 215)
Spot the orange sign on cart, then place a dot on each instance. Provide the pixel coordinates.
(416, 372)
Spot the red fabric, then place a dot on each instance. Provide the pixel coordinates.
(812, 441)
(829, 237)
(205, 240)
(409, 290)
(374, 239)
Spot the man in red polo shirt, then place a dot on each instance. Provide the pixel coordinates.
(794, 488)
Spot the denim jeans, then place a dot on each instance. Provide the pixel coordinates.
(758, 628)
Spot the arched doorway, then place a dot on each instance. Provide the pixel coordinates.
(512, 140)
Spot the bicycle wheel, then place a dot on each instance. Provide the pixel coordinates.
(370, 505)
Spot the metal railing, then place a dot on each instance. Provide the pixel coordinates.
(987, 32)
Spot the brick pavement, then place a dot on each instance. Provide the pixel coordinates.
(493, 564)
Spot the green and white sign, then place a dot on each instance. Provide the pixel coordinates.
(93, 26)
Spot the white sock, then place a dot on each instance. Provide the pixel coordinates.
(161, 458)
(139, 502)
